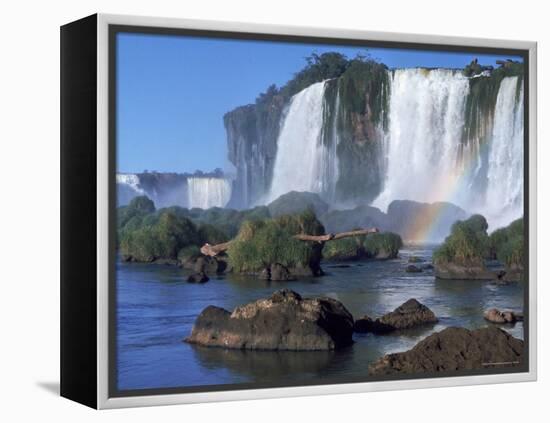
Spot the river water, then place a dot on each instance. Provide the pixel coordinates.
(156, 309)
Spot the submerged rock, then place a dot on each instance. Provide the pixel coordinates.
(276, 272)
(415, 259)
(496, 316)
(411, 268)
(454, 349)
(457, 271)
(366, 324)
(408, 315)
(284, 321)
(199, 277)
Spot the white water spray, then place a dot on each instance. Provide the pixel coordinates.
(504, 199)
(303, 162)
(206, 192)
(426, 118)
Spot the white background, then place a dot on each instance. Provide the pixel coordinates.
(29, 208)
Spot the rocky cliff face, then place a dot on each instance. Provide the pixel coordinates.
(340, 126)
(357, 133)
(252, 133)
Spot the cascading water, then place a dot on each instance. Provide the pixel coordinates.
(206, 192)
(426, 118)
(303, 161)
(504, 199)
(428, 159)
(131, 181)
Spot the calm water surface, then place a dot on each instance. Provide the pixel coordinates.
(156, 309)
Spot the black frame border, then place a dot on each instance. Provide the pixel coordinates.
(114, 29)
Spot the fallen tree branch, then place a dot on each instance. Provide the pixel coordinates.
(331, 237)
(214, 250)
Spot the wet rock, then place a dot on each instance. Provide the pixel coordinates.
(454, 349)
(209, 265)
(427, 266)
(411, 268)
(276, 272)
(284, 321)
(496, 316)
(199, 277)
(414, 259)
(369, 325)
(408, 315)
(456, 271)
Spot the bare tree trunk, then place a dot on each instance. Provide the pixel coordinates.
(331, 237)
(214, 250)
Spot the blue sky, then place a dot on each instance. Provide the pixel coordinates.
(172, 91)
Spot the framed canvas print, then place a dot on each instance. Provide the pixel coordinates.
(254, 211)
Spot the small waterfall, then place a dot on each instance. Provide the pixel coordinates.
(206, 192)
(302, 158)
(131, 181)
(426, 118)
(504, 199)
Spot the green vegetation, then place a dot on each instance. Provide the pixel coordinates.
(482, 97)
(383, 245)
(157, 236)
(261, 243)
(345, 249)
(146, 234)
(507, 245)
(319, 68)
(379, 245)
(370, 78)
(468, 243)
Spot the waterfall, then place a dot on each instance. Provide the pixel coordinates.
(303, 161)
(428, 159)
(128, 187)
(131, 181)
(206, 192)
(426, 118)
(504, 200)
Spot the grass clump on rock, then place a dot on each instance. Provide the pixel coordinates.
(384, 245)
(467, 244)
(261, 243)
(507, 245)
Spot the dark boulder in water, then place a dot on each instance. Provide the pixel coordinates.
(284, 321)
(454, 349)
(408, 315)
(199, 277)
(496, 316)
(459, 271)
(368, 325)
(411, 268)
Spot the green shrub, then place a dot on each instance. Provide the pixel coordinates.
(211, 234)
(507, 244)
(261, 243)
(138, 207)
(345, 249)
(385, 244)
(157, 236)
(189, 252)
(468, 243)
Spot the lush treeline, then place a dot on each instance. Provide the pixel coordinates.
(146, 234)
(469, 244)
(175, 234)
